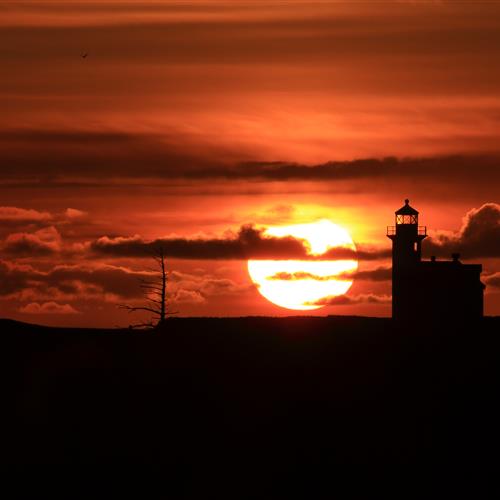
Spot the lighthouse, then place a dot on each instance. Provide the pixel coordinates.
(406, 236)
(439, 290)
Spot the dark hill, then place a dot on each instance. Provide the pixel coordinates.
(258, 396)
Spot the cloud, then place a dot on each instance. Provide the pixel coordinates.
(47, 239)
(98, 159)
(301, 275)
(118, 281)
(16, 277)
(277, 214)
(43, 242)
(493, 280)
(75, 214)
(248, 243)
(361, 253)
(69, 282)
(187, 296)
(22, 215)
(438, 168)
(478, 237)
(344, 300)
(106, 283)
(21, 223)
(48, 308)
(67, 157)
(205, 285)
(379, 274)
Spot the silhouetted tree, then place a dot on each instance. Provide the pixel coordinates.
(155, 291)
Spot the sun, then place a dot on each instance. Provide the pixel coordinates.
(304, 284)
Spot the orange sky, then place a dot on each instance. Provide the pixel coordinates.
(173, 123)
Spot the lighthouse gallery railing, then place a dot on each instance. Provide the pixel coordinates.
(421, 230)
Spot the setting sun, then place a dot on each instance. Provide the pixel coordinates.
(304, 284)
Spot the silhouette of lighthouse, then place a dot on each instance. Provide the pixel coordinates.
(406, 236)
(439, 290)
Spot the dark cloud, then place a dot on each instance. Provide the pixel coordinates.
(46, 241)
(197, 288)
(115, 280)
(370, 168)
(248, 243)
(106, 282)
(86, 156)
(70, 280)
(361, 253)
(378, 274)
(15, 277)
(478, 237)
(78, 157)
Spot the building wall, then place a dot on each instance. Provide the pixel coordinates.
(438, 291)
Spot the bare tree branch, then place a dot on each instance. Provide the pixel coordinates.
(155, 301)
(132, 309)
(155, 292)
(150, 287)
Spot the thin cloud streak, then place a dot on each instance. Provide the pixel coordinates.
(348, 300)
(378, 274)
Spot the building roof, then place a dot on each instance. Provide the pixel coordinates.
(406, 209)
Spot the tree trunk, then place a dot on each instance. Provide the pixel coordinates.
(163, 288)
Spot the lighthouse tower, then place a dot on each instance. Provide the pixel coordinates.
(406, 236)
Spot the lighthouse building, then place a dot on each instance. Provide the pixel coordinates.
(434, 289)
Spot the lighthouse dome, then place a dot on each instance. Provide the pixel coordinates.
(406, 209)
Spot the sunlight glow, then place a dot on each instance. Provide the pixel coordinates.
(300, 284)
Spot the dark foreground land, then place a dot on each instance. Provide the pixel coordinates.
(239, 400)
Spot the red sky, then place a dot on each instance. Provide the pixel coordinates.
(191, 119)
